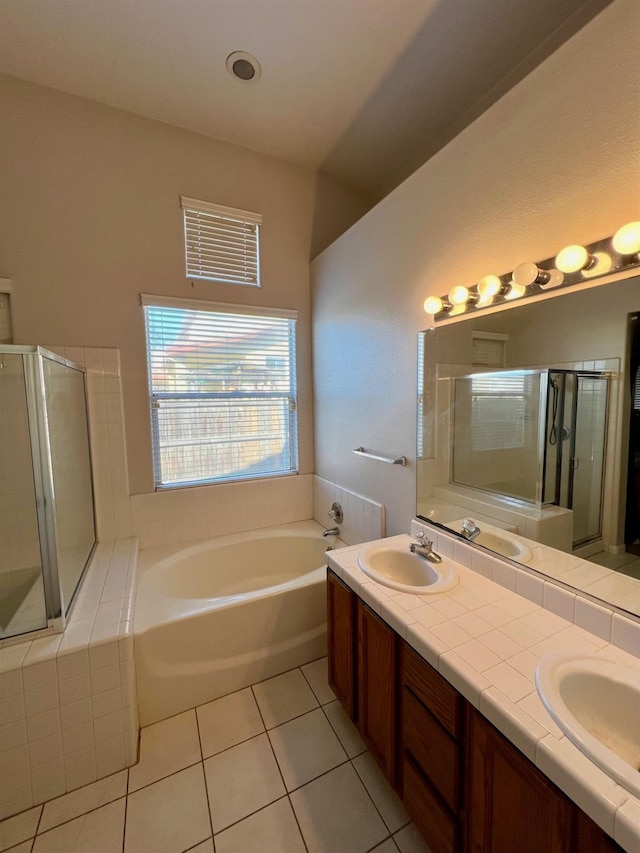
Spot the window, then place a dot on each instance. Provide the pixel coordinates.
(221, 243)
(222, 384)
(498, 410)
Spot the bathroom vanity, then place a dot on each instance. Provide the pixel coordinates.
(464, 784)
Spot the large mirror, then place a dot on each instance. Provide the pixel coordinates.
(529, 436)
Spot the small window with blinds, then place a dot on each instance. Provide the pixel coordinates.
(221, 243)
(222, 384)
(498, 410)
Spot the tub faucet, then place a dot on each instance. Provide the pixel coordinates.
(332, 531)
(424, 548)
(470, 530)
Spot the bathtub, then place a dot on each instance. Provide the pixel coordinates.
(217, 616)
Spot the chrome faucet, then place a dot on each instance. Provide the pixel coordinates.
(470, 530)
(424, 548)
(332, 531)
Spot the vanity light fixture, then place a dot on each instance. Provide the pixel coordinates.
(571, 265)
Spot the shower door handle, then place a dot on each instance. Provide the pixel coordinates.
(575, 463)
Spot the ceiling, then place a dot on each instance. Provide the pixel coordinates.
(365, 90)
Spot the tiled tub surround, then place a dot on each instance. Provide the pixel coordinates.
(364, 519)
(68, 712)
(486, 637)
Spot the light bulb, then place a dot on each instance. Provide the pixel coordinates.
(489, 285)
(433, 305)
(556, 278)
(573, 259)
(529, 273)
(515, 291)
(626, 240)
(600, 265)
(458, 295)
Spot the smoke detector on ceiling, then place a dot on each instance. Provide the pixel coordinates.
(243, 66)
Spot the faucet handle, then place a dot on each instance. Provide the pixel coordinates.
(420, 536)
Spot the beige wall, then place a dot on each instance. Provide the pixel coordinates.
(90, 218)
(556, 160)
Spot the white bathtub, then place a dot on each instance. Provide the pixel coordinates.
(217, 616)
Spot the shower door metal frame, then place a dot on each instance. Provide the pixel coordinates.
(561, 469)
(589, 374)
(57, 610)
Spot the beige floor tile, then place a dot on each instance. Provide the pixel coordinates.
(19, 828)
(284, 697)
(317, 675)
(205, 847)
(242, 780)
(345, 729)
(336, 814)
(305, 748)
(83, 800)
(409, 840)
(169, 816)
(166, 747)
(25, 847)
(99, 831)
(271, 830)
(387, 846)
(385, 798)
(228, 721)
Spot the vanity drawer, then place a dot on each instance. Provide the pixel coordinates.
(440, 830)
(432, 748)
(444, 702)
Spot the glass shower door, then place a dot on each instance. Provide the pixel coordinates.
(22, 600)
(68, 438)
(588, 456)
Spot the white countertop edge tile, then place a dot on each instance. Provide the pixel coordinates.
(627, 825)
(588, 786)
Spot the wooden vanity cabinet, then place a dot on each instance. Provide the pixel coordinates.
(362, 662)
(377, 688)
(432, 735)
(466, 787)
(342, 642)
(513, 806)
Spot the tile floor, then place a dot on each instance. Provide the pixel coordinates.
(275, 768)
(626, 564)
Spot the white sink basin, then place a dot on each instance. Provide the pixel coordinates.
(393, 565)
(506, 544)
(596, 703)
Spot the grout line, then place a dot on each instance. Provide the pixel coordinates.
(126, 807)
(284, 784)
(82, 814)
(162, 778)
(206, 787)
(364, 785)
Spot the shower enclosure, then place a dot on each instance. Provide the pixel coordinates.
(47, 528)
(534, 435)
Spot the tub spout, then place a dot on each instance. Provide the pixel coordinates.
(332, 531)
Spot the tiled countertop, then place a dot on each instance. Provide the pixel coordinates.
(486, 640)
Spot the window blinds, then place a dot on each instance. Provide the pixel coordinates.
(221, 243)
(498, 410)
(223, 391)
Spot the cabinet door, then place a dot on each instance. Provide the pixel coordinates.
(377, 688)
(512, 806)
(341, 642)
